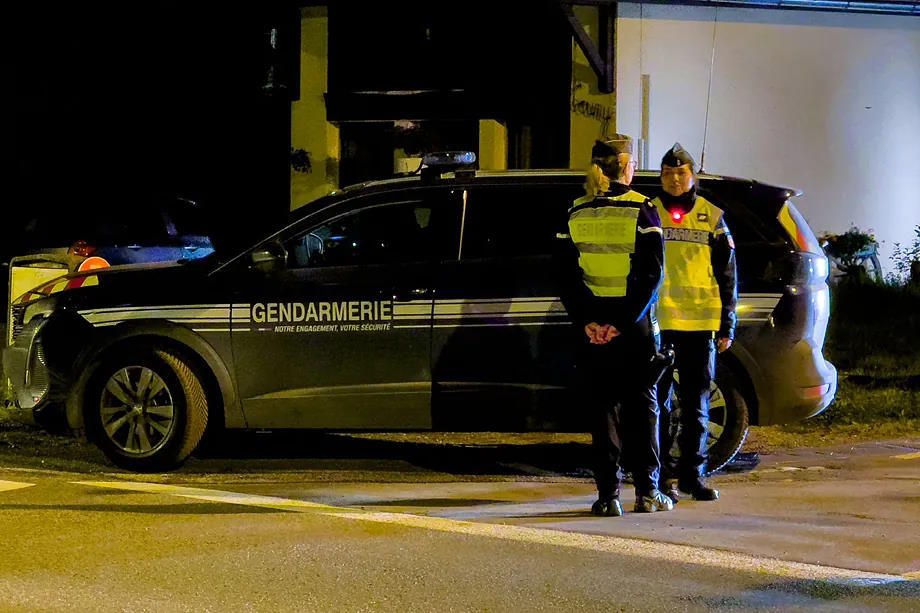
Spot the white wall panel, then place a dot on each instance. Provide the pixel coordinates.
(827, 103)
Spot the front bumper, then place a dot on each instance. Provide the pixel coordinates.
(25, 366)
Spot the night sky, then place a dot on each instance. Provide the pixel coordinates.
(112, 100)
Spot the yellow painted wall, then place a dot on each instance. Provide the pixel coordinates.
(493, 145)
(309, 129)
(593, 114)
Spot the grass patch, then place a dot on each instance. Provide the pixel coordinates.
(872, 339)
(813, 433)
(874, 330)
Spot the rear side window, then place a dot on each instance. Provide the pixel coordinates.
(515, 221)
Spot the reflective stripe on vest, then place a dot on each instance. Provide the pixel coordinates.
(605, 237)
(689, 298)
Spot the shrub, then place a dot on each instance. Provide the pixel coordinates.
(849, 249)
(907, 260)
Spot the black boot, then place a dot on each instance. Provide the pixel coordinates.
(607, 507)
(698, 489)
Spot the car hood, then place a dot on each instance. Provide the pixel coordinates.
(119, 283)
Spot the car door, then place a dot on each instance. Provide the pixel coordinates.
(502, 343)
(339, 334)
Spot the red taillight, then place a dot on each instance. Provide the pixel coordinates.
(93, 263)
(82, 249)
(815, 393)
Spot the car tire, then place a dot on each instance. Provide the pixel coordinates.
(728, 419)
(146, 409)
(734, 427)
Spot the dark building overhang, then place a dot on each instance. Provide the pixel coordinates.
(395, 105)
(892, 7)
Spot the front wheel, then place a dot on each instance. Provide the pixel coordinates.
(146, 410)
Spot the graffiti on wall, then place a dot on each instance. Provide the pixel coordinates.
(597, 111)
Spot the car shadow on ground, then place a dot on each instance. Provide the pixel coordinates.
(324, 450)
(531, 455)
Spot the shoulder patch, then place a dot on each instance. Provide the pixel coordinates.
(702, 216)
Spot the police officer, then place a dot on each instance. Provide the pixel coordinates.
(615, 266)
(697, 316)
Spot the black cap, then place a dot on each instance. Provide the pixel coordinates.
(677, 156)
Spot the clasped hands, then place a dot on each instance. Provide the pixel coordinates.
(600, 334)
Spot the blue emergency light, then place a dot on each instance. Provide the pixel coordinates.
(446, 161)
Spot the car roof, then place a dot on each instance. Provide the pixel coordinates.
(485, 177)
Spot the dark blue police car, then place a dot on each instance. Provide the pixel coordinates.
(415, 303)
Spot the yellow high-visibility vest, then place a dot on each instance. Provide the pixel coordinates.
(689, 298)
(605, 237)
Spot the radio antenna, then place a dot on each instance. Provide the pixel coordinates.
(712, 63)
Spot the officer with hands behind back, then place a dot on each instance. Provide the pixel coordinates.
(612, 270)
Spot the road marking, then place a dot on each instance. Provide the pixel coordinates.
(668, 552)
(270, 502)
(908, 456)
(9, 486)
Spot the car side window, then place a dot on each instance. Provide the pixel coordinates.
(516, 221)
(420, 230)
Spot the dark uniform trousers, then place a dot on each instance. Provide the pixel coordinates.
(695, 361)
(614, 380)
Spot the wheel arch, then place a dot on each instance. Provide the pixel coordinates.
(740, 370)
(223, 402)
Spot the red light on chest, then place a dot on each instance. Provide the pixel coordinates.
(677, 216)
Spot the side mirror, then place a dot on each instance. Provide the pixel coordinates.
(268, 258)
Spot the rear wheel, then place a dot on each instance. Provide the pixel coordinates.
(728, 418)
(146, 410)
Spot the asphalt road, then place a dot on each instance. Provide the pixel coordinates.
(370, 525)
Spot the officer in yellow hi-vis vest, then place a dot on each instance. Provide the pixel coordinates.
(615, 266)
(697, 316)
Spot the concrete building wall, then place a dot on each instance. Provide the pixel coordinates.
(827, 103)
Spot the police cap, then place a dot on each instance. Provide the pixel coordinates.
(618, 143)
(677, 156)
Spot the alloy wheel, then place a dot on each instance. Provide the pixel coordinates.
(137, 412)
